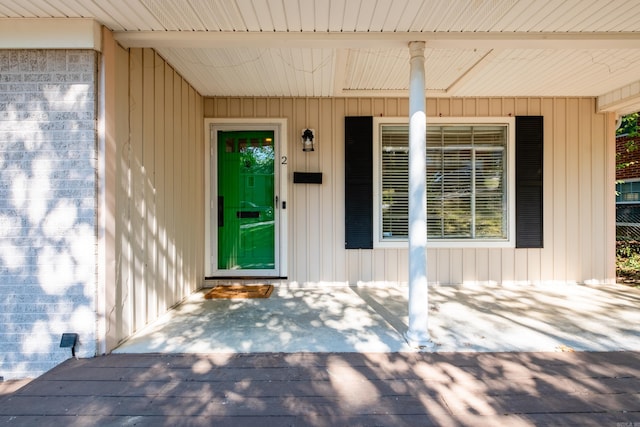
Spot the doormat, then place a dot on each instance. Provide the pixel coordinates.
(239, 291)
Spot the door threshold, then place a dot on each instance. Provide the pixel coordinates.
(210, 282)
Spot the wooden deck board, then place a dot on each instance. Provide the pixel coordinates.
(334, 389)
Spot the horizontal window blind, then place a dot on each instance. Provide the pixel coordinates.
(466, 191)
(395, 184)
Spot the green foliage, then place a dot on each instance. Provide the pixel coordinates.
(622, 165)
(627, 248)
(628, 262)
(629, 125)
(629, 128)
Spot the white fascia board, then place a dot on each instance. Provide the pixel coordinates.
(624, 100)
(50, 33)
(341, 40)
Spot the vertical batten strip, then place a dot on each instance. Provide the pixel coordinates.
(148, 164)
(161, 254)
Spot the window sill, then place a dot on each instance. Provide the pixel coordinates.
(447, 244)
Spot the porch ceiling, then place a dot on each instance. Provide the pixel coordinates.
(359, 47)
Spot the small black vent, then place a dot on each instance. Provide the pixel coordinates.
(307, 177)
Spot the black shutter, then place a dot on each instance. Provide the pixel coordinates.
(529, 168)
(358, 146)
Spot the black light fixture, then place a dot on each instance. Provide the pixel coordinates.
(69, 340)
(307, 139)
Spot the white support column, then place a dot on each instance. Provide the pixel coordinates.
(418, 333)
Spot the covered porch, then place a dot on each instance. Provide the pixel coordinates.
(316, 77)
(159, 74)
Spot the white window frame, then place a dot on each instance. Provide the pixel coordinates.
(509, 242)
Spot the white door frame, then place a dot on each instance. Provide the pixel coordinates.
(279, 127)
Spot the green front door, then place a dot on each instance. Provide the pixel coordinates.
(246, 200)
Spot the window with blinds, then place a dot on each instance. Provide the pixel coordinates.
(466, 188)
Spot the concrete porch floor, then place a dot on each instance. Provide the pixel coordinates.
(462, 318)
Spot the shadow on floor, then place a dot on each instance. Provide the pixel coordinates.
(464, 318)
(334, 389)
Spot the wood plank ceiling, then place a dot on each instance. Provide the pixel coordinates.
(359, 47)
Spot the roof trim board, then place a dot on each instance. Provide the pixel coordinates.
(624, 100)
(460, 40)
(50, 33)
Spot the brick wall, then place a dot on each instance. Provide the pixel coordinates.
(632, 171)
(47, 207)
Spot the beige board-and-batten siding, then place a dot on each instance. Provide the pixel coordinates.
(579, 173)
(155, 132)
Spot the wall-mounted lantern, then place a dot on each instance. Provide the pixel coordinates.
(307, 139)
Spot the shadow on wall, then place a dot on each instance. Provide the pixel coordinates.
(47, 207)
